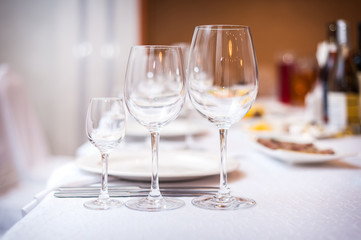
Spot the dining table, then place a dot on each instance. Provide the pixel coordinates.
(314, 200)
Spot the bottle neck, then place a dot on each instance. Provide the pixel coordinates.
(343, 77)
(342, 33)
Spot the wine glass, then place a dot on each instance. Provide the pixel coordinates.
(105, 127)
(154, 95)
(222, 85)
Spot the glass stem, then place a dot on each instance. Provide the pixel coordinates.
(154, 187)
(223, 188)
(104, 188)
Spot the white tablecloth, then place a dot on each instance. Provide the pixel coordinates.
(320, 201)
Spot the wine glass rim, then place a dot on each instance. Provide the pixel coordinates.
(222, 27)
(157, 46)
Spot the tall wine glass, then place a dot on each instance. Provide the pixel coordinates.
(105, 127)
(222, 84)
(154, 95)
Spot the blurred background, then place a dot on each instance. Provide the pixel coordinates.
(71, 50)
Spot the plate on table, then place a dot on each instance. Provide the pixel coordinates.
(176, 128)
(173, 165)
(306, 150)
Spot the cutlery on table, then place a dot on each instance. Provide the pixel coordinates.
(133, 191)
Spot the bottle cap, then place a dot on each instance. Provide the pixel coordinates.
(331, 31)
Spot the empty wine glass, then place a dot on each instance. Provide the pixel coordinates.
(222, 84)
(105, 127)
(154, 95)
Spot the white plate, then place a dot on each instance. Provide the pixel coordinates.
(177, 128)
(173, 165)
(298, 157)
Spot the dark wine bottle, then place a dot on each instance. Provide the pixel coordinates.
(357, 56)
(343, 86)
(327, 67)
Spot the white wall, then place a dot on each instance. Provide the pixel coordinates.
(67, 52)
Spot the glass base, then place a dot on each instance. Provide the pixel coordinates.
(154, 205)
(222, 202)
(103, 204)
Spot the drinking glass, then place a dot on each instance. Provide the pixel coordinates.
(222, 85)
(154, 95)
(105, 127)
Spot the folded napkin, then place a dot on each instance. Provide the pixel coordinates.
(67, 175)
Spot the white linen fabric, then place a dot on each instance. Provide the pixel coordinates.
(321, 201)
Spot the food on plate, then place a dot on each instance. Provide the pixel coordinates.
(261, 126)
(292, 146)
